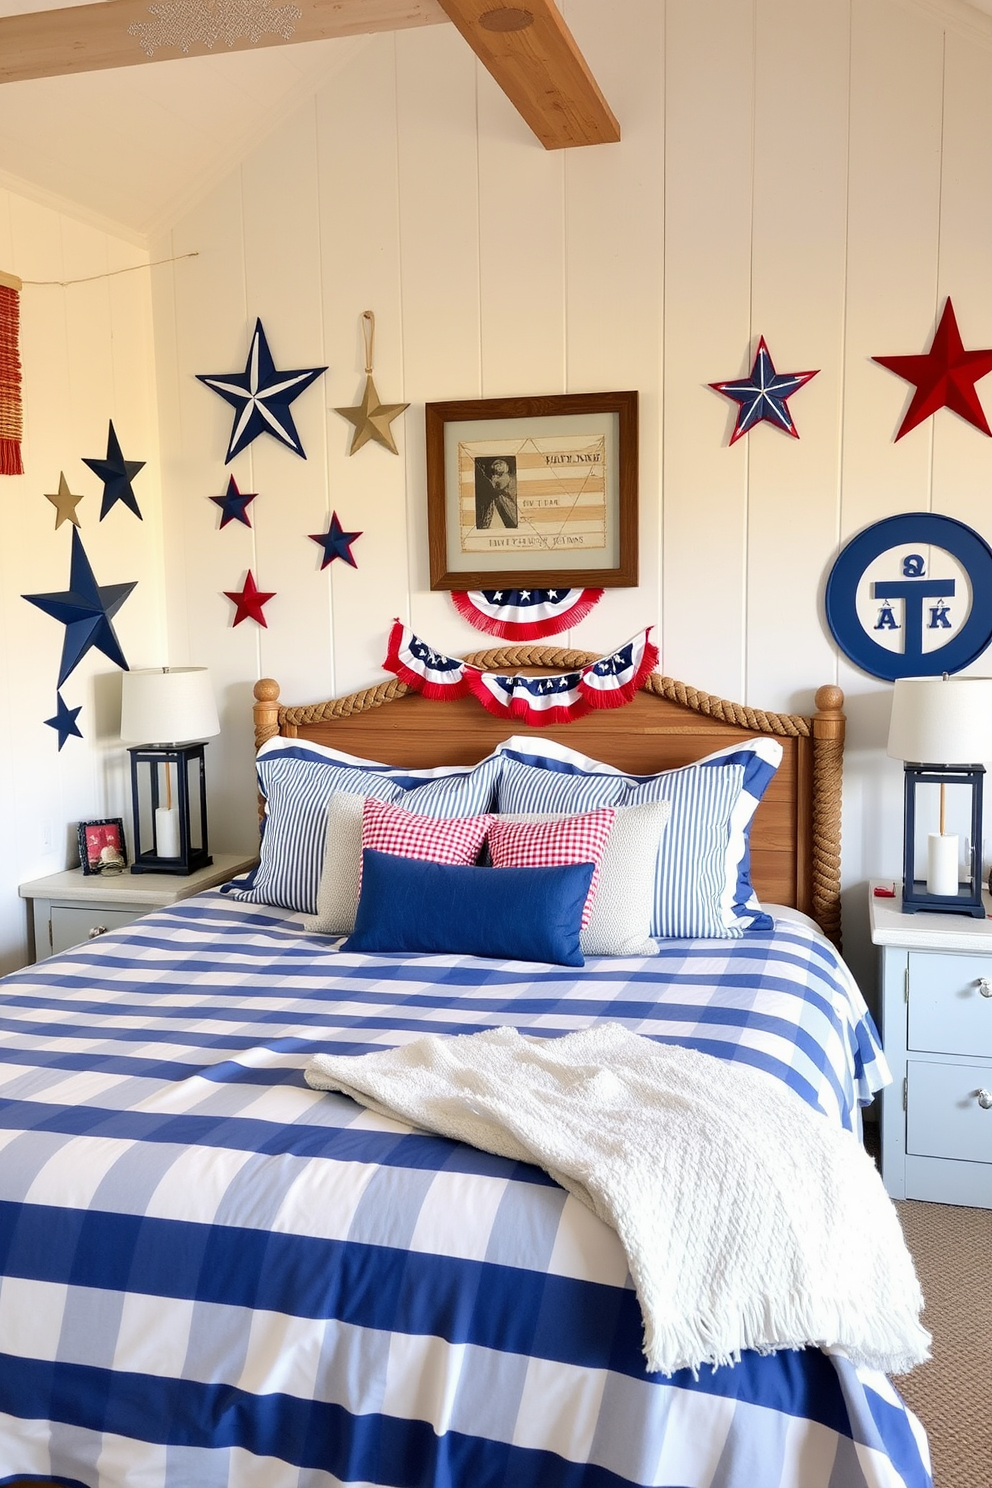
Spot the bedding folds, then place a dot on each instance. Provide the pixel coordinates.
(212, 1276)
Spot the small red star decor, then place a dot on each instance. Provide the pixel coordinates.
(944, 377)
(249, 601)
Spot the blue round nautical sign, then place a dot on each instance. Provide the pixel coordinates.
(911, 596)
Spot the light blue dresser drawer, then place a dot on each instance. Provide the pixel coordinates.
(943, 1115)
(949, 1012)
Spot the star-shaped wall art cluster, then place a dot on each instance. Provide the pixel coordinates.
(943, 377)
(261, 396)
(86, 608)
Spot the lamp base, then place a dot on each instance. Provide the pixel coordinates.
(148, 862)
(967, 900)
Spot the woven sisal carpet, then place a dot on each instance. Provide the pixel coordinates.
(952, 1394)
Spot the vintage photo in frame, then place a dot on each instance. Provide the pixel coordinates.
(102, 846)
(533, 492)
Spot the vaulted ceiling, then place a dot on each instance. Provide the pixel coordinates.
(86, 117)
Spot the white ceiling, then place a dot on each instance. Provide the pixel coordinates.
(129, 149)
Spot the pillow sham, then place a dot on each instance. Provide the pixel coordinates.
(702, 884)
(297, 780)
(569, 839)
(622, 911)
(512, 914)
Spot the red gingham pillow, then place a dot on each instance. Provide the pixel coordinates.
(573, 839)
(390, 829)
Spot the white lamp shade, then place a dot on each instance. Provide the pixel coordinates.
(168, 705)
(941, 720)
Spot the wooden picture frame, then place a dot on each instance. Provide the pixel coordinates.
(102, 846)
(533, 493)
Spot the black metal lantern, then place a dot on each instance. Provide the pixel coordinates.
(169, 808)
(168, 780)
(947, 721)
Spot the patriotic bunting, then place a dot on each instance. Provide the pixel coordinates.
(539, 701)
(525, 614)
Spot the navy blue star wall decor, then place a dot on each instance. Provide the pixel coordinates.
(261, 397)
(117, 475)
(64, 721)
(764, 395)
(86, 609)
(335, 542)
(234, 505)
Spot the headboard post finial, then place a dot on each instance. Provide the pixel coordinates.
(266, 710)
(829, 725)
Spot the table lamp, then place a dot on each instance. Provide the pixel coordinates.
(168, 704)
(941, 727)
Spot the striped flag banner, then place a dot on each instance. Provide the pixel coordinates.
(538, 701)
(524, 614)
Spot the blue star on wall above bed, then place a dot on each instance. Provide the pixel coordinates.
(86, 609)
(261, 397)
(764, 395)
(64, 721)
(117, 475)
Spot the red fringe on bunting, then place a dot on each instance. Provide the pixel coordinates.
(519, 711)
(437, 692)
(618, 696)
(11, 425)
(526, 630)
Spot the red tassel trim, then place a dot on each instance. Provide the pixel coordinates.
(519, 709)
(11, 423)
(616, 697)
(437, 692)
(526, 630)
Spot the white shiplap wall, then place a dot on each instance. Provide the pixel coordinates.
(816, 173)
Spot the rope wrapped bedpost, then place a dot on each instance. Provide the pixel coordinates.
(266, 710)
(828, 763)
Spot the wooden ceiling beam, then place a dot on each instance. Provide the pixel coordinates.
(533, 57)
(530, 52)
(89, 38)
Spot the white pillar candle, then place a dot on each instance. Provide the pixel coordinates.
(167, 832)
(942, 863)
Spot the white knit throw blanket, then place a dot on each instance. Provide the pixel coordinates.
(748, 1219)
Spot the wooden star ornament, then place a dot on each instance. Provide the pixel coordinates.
(944, 376)
(65, 504)
(371, 417)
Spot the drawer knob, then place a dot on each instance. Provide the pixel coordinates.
(96, 930)
(985, 1099)
(985, 986)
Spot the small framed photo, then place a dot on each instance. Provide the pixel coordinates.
(102, 847)
(532, 492)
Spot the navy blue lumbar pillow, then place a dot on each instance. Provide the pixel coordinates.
(514, 914)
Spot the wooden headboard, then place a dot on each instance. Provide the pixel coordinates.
(795, 836)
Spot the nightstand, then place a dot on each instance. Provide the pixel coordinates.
(936, 1006)
(75, 906)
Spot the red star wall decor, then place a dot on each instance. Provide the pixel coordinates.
(944, 376)
(249, 601)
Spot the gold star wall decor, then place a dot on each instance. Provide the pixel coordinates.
(371, 418)
(64, 502)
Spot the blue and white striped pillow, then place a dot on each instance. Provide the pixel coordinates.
(702, 872)
(298, 780)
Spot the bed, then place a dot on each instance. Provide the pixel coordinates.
(215, 1275)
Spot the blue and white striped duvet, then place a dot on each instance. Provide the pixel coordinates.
(214, 1277)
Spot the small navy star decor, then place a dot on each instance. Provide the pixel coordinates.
(764, 395)
(335, 542)
(234, 505)
(64, 721)
(86, 609)
(261, 397)
(117, 475)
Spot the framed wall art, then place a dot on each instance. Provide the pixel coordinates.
(533, 491)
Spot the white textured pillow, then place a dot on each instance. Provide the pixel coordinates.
(337, 893)
(620, 923)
